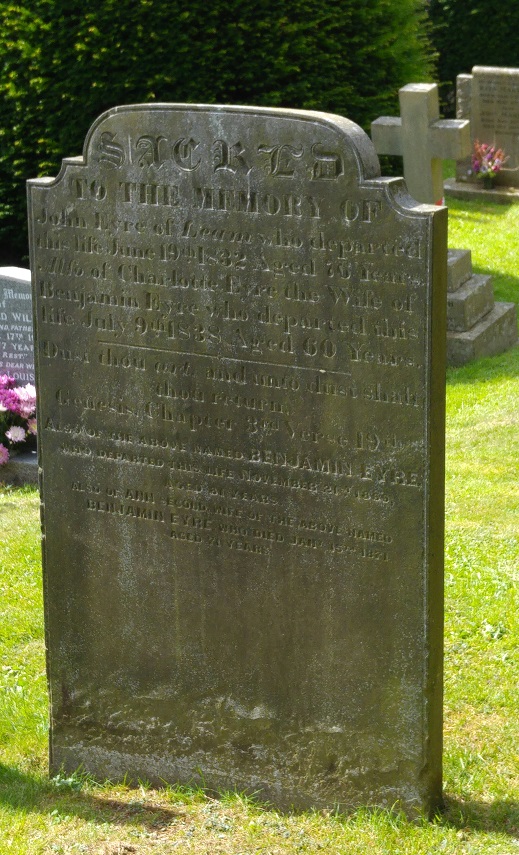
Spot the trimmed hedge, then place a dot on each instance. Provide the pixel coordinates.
(472, 32)
(62, 64)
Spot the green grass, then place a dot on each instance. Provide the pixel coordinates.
(491, 232)
(481, 759)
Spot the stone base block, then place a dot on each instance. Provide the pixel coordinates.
(465, 190)
(470, 303)
(459, 268)
(494, 334)
(21, 469)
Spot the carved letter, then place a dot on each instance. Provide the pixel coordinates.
(229, 157)
(150, 148)
(183, 154)
(280, 156)
(327, 164)
(111, 152)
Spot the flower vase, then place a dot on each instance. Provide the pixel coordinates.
(489, 182)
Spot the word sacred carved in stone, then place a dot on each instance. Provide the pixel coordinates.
(280, 159)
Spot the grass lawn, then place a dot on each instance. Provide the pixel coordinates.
(481, 762)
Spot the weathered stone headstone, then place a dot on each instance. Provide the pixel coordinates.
(489, 97)
(16, 336)
(240, 350)
(422, 139)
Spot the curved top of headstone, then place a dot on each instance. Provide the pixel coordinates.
(149, 141)
(22, 273)
(97, 145)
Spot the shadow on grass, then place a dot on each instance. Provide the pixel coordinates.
(498, 817)
(506, 286)
(66, 797)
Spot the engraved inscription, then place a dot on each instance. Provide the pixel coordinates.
(16, 333)
(239, 321)
(495, 114)
(240, 463)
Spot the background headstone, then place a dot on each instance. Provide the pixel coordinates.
(16, 335)
(463, 101)
(477, 325)
(489, 97)
(241, 363)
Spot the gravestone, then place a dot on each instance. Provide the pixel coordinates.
(16, 336)
(240, 356)
(489, 97)
(422, 139)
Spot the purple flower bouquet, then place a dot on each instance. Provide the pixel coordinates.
(17, 416)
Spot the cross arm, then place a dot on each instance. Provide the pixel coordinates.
(450, 139)
(386, 134)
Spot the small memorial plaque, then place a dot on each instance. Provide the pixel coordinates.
(16, 336)
(241, 345)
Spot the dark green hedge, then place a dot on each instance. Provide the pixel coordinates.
(63, 63)
(472, 32)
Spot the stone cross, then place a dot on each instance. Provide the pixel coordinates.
(422, 139)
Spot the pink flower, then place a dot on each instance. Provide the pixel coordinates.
(15, 434)
(29, 391)
(10, 401)
(487, 159)
(18, 405)
(7, 382)
(26, 400)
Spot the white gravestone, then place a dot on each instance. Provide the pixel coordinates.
(16, 336)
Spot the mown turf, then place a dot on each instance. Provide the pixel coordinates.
(481, 762)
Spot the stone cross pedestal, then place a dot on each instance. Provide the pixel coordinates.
(476, 325)
(422, 139)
